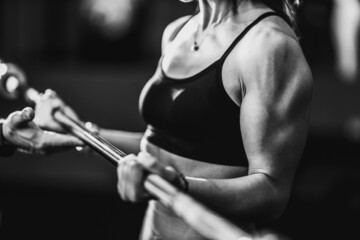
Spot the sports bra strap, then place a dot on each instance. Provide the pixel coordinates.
(238, 38)
(246, 30)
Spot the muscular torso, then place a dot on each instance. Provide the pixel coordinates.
(180, 62)
(191, 167)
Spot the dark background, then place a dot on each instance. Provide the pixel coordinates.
(72, 195)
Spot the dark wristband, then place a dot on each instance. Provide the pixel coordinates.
(6, 149)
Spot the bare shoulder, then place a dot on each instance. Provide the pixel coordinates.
(171, 28)
(274, 57)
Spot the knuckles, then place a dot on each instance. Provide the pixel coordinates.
(130, 179)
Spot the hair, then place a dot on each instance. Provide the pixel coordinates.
(286, 8)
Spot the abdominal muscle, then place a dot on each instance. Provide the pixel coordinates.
(191, 167)
(160, 223)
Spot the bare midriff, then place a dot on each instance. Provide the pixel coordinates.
(191, 167)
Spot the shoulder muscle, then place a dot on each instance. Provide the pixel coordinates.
(277, 67)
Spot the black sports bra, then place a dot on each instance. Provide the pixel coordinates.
(194, 117)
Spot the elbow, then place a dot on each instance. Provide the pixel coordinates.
(271, 201)
(274, 203)
(263, 210)
(272, 209)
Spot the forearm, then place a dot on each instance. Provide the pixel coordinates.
(128, 142)
(252, 198)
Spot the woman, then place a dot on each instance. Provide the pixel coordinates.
(228, 107)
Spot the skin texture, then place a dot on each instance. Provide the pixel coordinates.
(267, 76)
(20, 130)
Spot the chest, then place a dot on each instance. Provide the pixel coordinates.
(191, 103)
(180, 62)
(193, 115)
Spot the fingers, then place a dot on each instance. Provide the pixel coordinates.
(58, 103)
(53, 142)
(69, 112)
(55, 102)
(131, 175)
(48, 104)
(123, 173)
(45, 108)
(133, 170)
(21, 118)
(28, 114)
(149, 162)
(50, 93)
(166, 172)
(154, 166)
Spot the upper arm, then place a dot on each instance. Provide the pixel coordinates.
(275, 109)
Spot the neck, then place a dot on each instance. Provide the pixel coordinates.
(211, 12)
